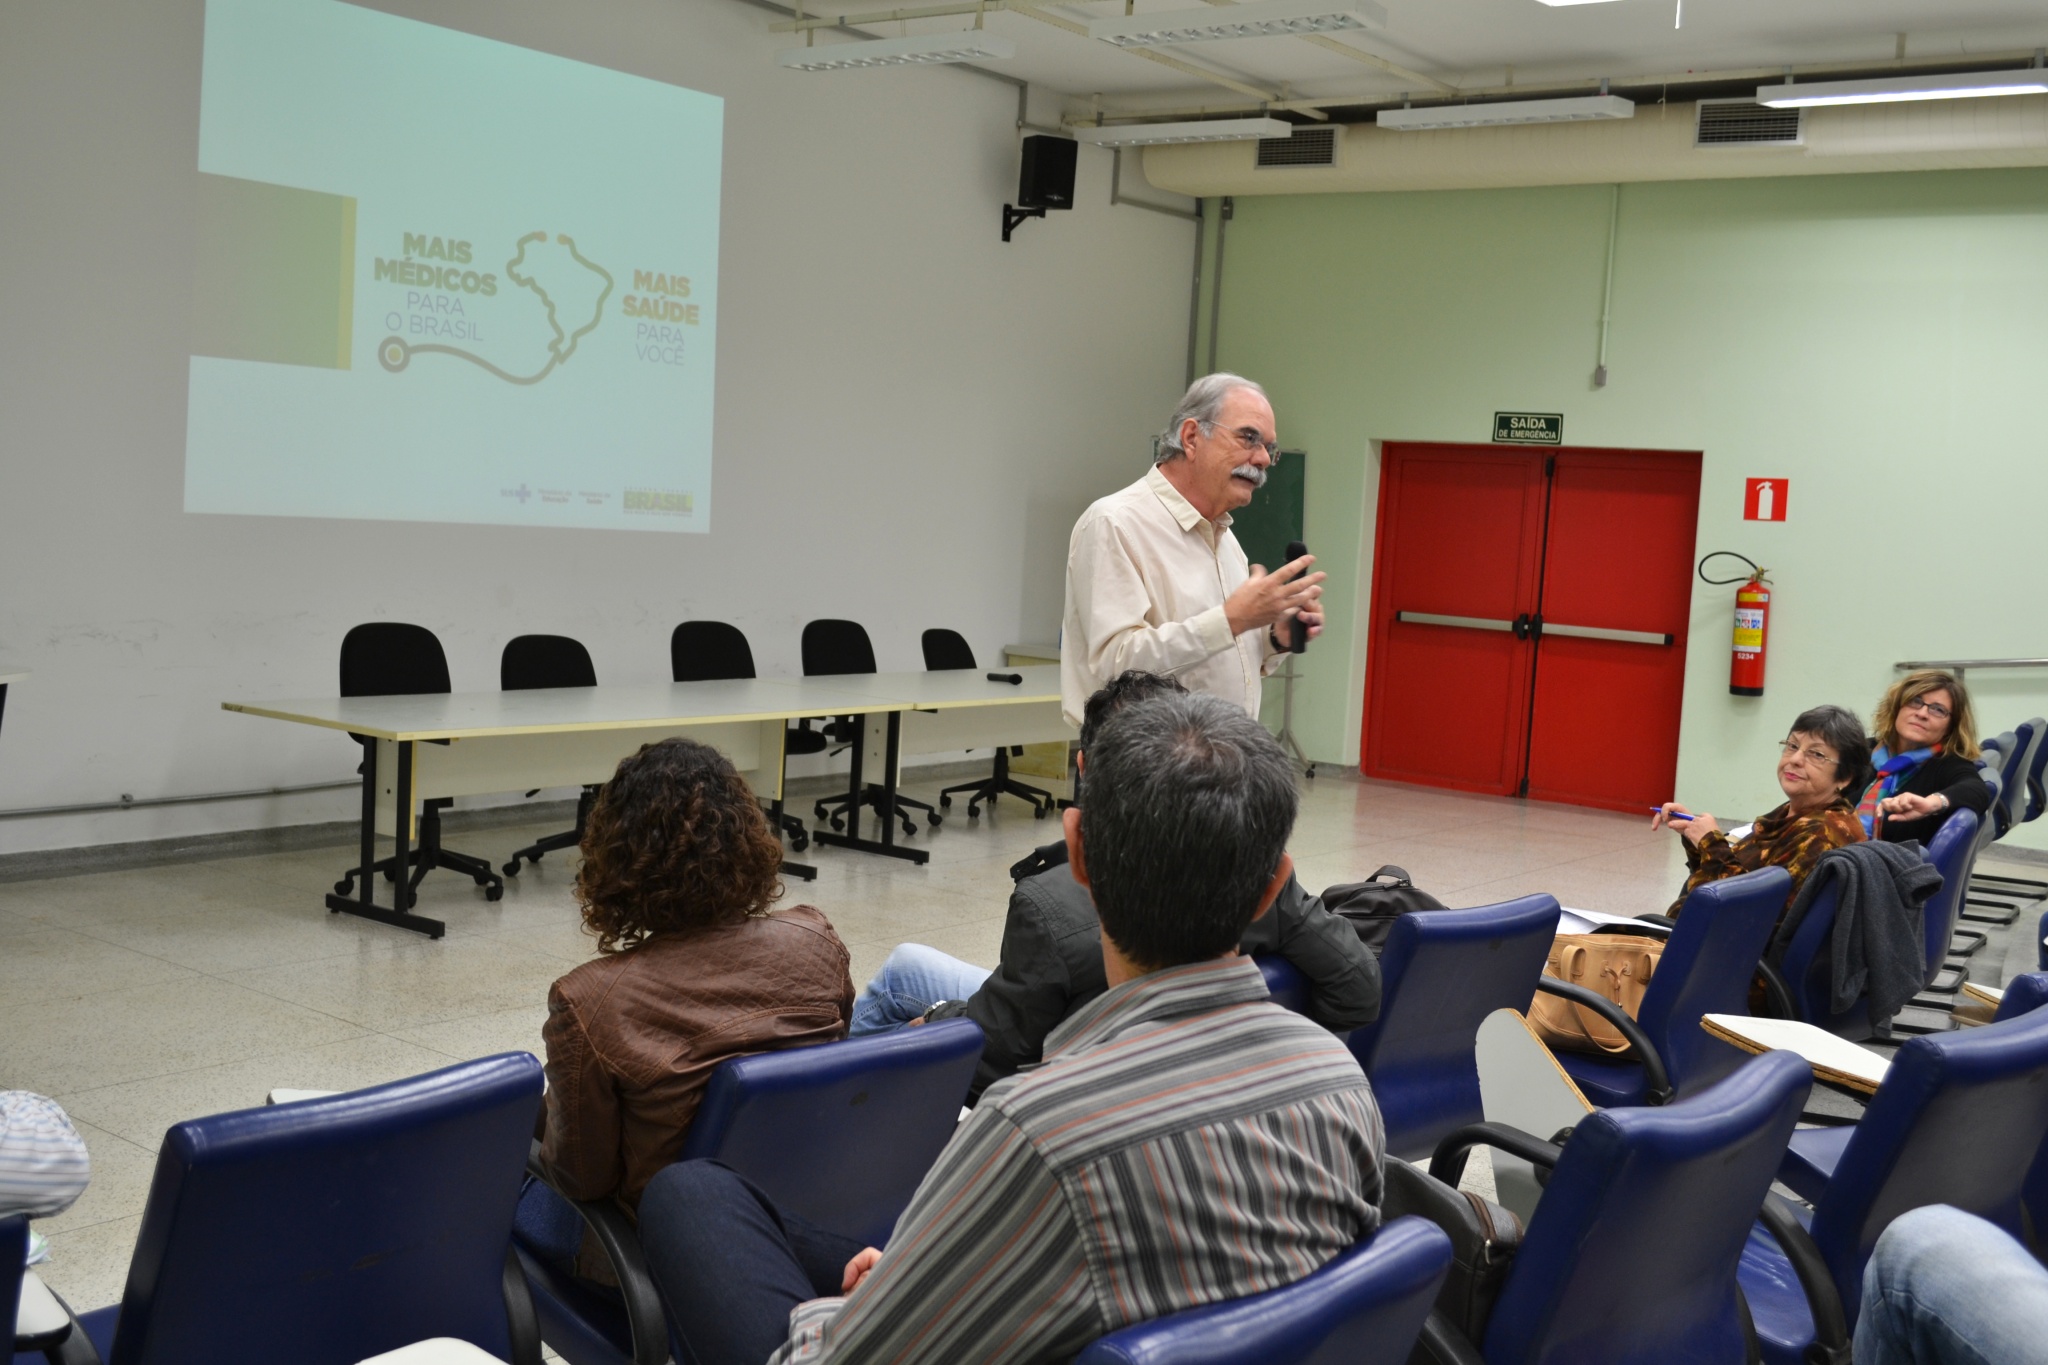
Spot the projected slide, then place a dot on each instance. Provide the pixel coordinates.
(440, 278)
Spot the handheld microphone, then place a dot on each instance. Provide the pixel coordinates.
(1014, 678)
(1297, 639)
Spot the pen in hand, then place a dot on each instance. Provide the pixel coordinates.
(1675, 817)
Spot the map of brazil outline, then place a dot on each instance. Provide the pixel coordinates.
(395, 353)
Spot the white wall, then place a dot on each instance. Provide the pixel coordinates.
(909, 415)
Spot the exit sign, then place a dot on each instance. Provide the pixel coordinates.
(1764, 499)
(1529, 428)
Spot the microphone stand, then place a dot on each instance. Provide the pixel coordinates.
(1286, 736)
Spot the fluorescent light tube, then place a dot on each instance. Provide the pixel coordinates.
(1210, 130)
(1972, 85)
(1507, 112)
(1267, 19)
(974, 45)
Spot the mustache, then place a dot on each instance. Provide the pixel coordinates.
(1256, 475)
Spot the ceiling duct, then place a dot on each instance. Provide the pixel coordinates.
(1308, 147)
(1658, 144)
(1745, 123)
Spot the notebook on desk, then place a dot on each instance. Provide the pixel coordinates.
(1574, 921)
(1836, 1060)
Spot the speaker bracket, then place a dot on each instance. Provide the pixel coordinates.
(1012, 216)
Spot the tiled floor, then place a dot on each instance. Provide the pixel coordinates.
(139, 998)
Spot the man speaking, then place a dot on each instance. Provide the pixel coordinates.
(1155, 579)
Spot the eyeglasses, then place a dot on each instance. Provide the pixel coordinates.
(1932, 708)
(1251, 441)
(1815, 755)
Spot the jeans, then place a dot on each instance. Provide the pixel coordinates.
(913, 980)
(729, 1264)
(1945, 1287)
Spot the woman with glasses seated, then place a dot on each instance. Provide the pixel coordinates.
(1823, 766)
(1925, 759)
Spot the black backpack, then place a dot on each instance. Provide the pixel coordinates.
(1373, 904)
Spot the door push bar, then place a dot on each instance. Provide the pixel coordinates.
(1528, 627)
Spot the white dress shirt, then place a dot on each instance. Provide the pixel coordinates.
(1147, 576)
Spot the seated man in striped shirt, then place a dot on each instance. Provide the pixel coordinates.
(1184, 1141)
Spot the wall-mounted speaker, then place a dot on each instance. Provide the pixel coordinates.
(1046, 180)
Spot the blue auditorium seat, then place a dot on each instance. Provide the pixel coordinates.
(1815, 1152)
(1808, 967)
(1630, 1256)
(330, 1230)
(1441, 974)
(1708, 964)
(1959, 1120)
(840, 1133)
(1284, 982)
(1364, 1308)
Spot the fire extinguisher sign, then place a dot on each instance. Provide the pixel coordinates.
(1764, 499)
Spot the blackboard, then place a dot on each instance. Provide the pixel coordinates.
(1274, 515)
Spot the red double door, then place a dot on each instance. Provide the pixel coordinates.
(1529, 615)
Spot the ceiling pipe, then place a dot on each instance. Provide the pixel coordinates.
(1655, 145)
(1684, 85)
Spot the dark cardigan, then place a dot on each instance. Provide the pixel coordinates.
(1946, 775)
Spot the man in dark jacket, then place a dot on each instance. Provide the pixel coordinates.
(1052, 950)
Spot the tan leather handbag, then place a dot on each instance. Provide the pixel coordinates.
(1618, 966)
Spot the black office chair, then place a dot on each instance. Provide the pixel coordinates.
(388, 659)
(833, 648)
(710, 651)
(531, 661)
(949, 649)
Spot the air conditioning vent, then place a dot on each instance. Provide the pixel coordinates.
(1308, 147)
(1745, 123)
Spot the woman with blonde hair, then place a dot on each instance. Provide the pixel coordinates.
(1925, 755)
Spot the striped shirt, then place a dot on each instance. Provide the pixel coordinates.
(43, 1165)
(1185, 1141)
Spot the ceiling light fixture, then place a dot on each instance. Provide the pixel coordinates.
(974, 45)
(1207, 130)
(1578, 110)
(1889, 89)
(1266, 19)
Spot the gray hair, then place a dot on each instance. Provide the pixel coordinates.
(1204, 402)
(1190, 802)
(1841, 730)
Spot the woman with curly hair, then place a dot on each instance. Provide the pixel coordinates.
(679, 869)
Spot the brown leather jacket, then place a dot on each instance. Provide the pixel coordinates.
(632, 1039)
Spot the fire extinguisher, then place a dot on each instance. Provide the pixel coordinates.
(1752, 625)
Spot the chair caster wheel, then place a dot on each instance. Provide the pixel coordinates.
(1039, 812)
(389, 875)
(933, 819)
(818, 811)
(946, 801)
(494, 892)
(800, 843)
(511, 869)
(343, 888)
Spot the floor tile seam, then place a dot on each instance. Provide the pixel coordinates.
(215, 974)
(67, 1096)
(539, 1053)
(1588, 858)
(108, 1132)
(227, 978)
(80, 933)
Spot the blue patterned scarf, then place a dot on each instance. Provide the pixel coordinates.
(1892, 771)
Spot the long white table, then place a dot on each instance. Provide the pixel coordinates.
(471, 743)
